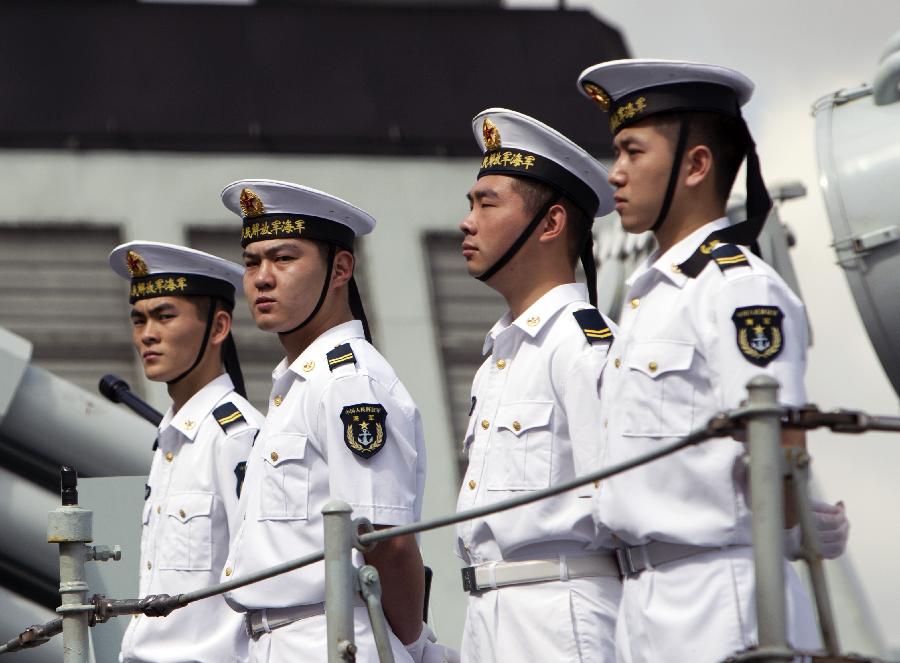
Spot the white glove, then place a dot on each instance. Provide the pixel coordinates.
(832, 529)
(426, 649)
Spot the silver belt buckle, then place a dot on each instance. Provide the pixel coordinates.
(625, 562)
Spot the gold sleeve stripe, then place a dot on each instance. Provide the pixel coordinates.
(230, 418)
(731, 261)
(345, 357)
(598, 333)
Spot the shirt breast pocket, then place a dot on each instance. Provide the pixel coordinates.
(285, 482)
(659, 398)
(521, 446)
(187, 545)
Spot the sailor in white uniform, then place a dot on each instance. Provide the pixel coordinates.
(702, 316)
(543, 586)
(182, 301)
(340, 426)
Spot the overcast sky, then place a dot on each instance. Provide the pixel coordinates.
(796, 52)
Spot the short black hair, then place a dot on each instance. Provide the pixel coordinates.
(724, 135)
(536, 194)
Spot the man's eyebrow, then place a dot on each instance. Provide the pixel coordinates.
(161, 307)
(480, 194)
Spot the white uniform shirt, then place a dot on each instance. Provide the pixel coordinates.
(302, 459)
(189, 513)
(535, 409)
(677, 361)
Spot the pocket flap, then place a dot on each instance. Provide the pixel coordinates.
(524, 415)
(284, 447)
(655, 358)
(185, 506)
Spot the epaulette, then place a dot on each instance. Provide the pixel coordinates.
(725, 256)
(342, 354)
(228, 416)
(592, 324)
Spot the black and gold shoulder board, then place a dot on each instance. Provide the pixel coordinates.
(228, 416)
(728, 256)
(342, 354)
(594, 327)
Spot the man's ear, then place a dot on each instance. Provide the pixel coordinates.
(342, 269)
(554, 224)
(698, 166)
(221, 327)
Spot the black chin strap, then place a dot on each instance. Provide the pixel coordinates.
(506, 257)
(331, 252)
(209, 321)
(759, 203)
(680, 146)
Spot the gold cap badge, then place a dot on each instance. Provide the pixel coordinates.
(135, 263)
(491, 135)
(598, 94)
(251, 204)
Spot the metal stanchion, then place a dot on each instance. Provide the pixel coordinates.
(370, 587)
(340, 581)
(799, 461)
(767, 496)
(70, 526)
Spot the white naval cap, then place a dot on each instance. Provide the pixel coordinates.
(516, 144)
(271, 209)
(633, 89)
(156, 269)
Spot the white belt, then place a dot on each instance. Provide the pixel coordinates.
(633, 560)
(501, 574)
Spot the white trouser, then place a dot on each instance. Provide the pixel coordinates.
(572, 621)
(702, 609)
(305, 641)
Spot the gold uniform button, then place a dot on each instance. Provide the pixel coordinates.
(485, 424)
(617, 362)
(534, 322)
(181, 513)
(274, 456)
(501, 364)
(597, 483)
(308, 366)
(517, 426)
(635, 302)
(472, 484)
(169, 456)
(149, 566)
(653, 366)
(189, 424)
(158, 509)
(278, 400)
(227, 571)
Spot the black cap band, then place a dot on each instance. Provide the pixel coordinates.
(169, 284)
(294, 226)
(675, 97)
(519, 163)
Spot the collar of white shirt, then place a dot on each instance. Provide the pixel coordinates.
(665, 264)
(188, 419)
(312, 360)
(538, 314)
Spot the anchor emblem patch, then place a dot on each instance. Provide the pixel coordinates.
(759, 333)
(364, 428)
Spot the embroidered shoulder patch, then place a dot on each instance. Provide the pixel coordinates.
(592, 324)
(365, 433)
(228, 416)
(239, 471)
(342, 354)
(759, 333)
(728, 256)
